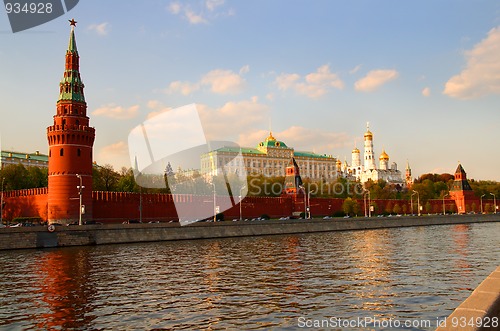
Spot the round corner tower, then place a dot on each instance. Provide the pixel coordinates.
(70, 141)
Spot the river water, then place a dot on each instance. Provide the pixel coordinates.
(273, 282)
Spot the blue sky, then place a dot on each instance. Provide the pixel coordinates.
(425, 74)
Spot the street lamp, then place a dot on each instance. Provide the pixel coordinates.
(418, 202)
(444, 208)
(411, 202)
(1, 203)
(80, 189)
(215, 206)
(241, 202)
(482, 202)
(368, 211)
(494, 201)
(309, 205)
(305, 203)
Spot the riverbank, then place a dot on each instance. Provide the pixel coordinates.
(63, 236)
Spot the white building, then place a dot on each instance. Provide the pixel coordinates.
(368, 170)
(270, 159)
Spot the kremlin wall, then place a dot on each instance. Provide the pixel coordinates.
(71, 139)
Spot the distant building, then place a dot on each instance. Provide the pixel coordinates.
(368, 170)
(461, 191)
(26, 159)
(270, 158)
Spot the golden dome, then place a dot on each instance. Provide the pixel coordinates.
(355, 150)
(339, 163)
(270, 138)
(384, 156)
(368, 135)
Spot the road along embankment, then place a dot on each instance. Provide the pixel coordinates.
(62, 236)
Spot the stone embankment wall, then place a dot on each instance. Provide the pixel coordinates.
(40, 237)
(480, 311)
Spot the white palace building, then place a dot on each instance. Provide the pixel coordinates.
(269, 158)
(367, 170)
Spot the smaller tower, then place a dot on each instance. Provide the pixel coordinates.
(369, 155)
(356, 159)
(339, 167)
(408, 178)
(384, 161)
(292, 179)
(461, 191)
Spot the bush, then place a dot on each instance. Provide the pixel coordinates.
(219, 217)
(338, 214)
(264, 217)
(32, 220)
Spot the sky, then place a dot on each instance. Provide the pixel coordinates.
(424, 74)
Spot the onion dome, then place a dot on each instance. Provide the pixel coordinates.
(270, 138)
(368, 135)
(384, 156)
(355, 150)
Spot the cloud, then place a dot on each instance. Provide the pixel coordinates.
(374, 79)
(101, 29)
(115, 154)
(301, 139)
(117, 112)
(174, 8)
(184, 88)
(355, 69)
(157, 108)
(481, 75)
(198, 13)
(194, 18)
(426, 92)
(233, 118)
(245, 69)
(212, 4)
(223, 81)
(219, 81)
(314, 85)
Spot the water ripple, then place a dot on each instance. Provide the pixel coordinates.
(247, 283)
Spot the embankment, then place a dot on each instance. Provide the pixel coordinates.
(40, 237)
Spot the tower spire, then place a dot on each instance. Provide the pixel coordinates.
(71, 85)
(70, 139)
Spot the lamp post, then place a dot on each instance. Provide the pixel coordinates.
(364, 201)
(309, 205)
(482, 202)
(411, 203)
(418, 202)
(1, 203)
(369, 204)
(444, 208)
(241, 202)
(215, 206)
(305, 203)
(494, 202)
(80, 189)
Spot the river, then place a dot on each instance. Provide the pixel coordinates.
(271, 282)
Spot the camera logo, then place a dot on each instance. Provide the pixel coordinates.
(171, 147)
(26, 14)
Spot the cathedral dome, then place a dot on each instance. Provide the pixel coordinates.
(272, 142)
(368, 135)
(355, 151)
(384, 156)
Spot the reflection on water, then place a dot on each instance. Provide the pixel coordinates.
(250, 283)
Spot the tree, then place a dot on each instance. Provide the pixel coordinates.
(397, 209)
(104, 178)
(348, 206)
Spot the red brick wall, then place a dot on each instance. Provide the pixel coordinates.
(115, 207)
